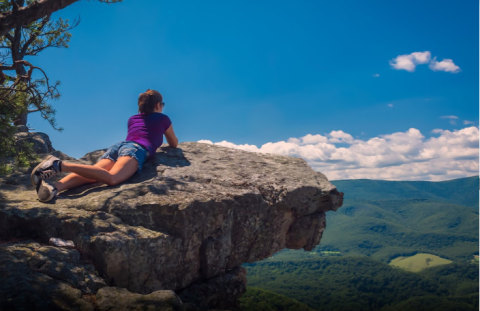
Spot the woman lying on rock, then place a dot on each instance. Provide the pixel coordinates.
(120, 161)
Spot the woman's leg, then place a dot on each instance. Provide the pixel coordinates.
(121, 170)
(74, 180)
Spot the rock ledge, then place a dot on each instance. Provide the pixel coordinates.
(186, 223)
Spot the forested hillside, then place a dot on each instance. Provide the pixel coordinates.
(458, 191)
(429, 219)
(381, 221)
(361, 283)
(257, 299)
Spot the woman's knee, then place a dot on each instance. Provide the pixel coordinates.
(113, 181)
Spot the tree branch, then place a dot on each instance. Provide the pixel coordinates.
(30, 13)
(9, 37)
(14, 67)
(14, 6)
(34, 35)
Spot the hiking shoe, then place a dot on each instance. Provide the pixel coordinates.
(46, 169)
(46, 192)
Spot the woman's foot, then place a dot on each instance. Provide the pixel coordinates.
(46, 192)
(46, 169)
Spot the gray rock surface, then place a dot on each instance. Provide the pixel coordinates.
(36, 277)
(40, 141)
(186, 221)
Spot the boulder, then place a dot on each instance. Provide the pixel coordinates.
(37, 277)
(186, 223)
(40, 141)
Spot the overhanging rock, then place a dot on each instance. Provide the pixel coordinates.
(196, 214)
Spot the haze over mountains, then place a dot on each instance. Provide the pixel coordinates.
(458, 191)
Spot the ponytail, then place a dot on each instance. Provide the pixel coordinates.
(148, 100)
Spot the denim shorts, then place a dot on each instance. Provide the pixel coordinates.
(127, 148)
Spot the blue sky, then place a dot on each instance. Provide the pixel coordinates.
(249, 74)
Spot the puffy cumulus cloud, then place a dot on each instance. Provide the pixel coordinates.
(340, 137)
(397, 156)
(446, 65)
(245, 147)
(312, 139)
(409, 62)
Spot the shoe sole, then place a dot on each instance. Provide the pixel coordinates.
(32, 176)
(44, 194)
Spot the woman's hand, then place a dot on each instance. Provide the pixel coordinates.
(171, 137)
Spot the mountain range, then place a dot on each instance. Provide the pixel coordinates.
(387, 219)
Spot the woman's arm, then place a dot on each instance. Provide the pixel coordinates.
(171, 137)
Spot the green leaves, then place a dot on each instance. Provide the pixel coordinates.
(12, 153)
(20, 93)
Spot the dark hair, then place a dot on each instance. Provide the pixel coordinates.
(148, 100)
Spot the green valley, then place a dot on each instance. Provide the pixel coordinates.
(387, 226)
(362, 283)
(427, 231)
(419, 262)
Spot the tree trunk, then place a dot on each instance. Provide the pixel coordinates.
(20, 71)
(22, 119)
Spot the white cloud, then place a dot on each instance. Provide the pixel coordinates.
(449, 117)
(397, 156)
(204, 141)
(466, 122)
(376, 75)
(421, 57)
(313, 139)
(245, 147)
(340, 137)
(390, 105)
(409, 62)
(453, 119)
(446, 65)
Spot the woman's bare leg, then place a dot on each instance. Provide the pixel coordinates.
(121, 170)
(74, 180)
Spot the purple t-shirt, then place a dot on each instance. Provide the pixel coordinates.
(148, 130)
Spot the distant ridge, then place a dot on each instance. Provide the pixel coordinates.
(458, 191)
(386, 219)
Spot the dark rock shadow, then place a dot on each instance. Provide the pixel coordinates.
(172, 157)
(2, 199)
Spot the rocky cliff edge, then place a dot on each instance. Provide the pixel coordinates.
(186, 224)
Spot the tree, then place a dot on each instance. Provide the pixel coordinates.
(14, 93)
(20, 15)
(26, 29)
(30, 40)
